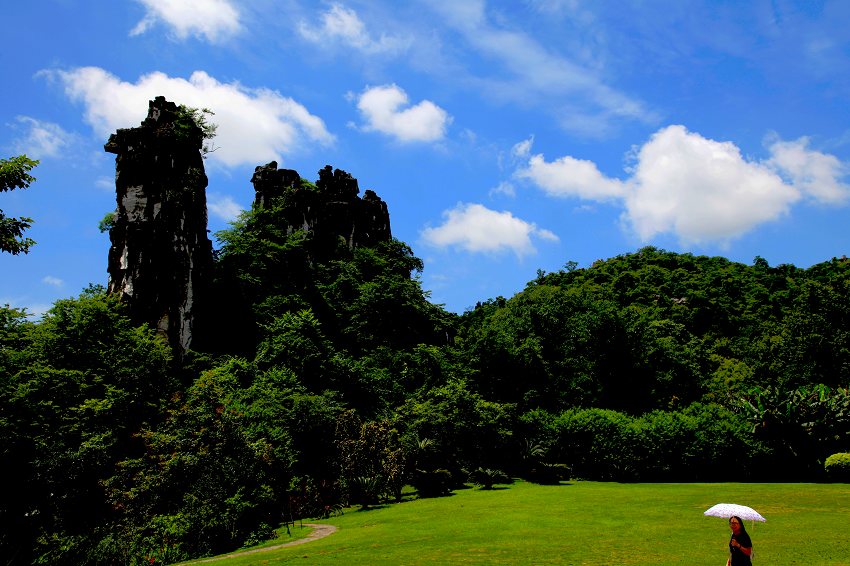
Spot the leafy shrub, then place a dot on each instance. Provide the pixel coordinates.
(724, 448)
(548, 474)
(317, 499)
(664, 445)
(485, 478)
(372, 463)
(837, 467)
(432, 483)
(561, 471)
(701, 442)
(599, 443)
(262, 533)
(366, 490)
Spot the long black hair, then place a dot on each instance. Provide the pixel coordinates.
(740, 522)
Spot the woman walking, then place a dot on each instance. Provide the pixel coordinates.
(740, 545)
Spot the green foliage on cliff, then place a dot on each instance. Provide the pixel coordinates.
(190, 120)
(341, 318)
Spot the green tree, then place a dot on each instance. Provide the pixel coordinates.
(76, 389)
(355, 321)
(371, 459)
(14, 174)
(550, 346)
(213, 472)
(378, 299)
(464, 430)
(802, 426)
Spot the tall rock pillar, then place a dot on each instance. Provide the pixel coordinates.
(160, 261)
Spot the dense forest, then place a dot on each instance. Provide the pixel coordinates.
(329, 379)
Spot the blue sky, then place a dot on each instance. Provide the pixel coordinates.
(505, 137)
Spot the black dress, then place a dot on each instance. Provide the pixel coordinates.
(738, 557)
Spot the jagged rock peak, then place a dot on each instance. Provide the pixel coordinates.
(270, 182)
(336, 182)
(163, 124)
(331, 211)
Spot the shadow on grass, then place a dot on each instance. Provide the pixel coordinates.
(411, 496)
(441, 496)
(364, 508)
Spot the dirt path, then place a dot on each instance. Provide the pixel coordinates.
(319, 531)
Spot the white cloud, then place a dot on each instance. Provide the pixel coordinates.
(696, 188)
(522, 149)
(223, 206)
(701, 189)
(254, 124)
(342, 25)
(567, 177)
(475, 228)
(53, 281)
(105, 183)
(383, 108)
(503, 188)
(816, 174)
(42, 139)
(213, 19)
(545, 234)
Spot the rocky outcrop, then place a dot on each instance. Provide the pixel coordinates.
(330, 211)
(160, 260)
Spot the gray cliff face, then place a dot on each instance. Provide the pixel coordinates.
(160, 260)
(332, 213)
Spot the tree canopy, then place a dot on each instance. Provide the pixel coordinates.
(14, 174)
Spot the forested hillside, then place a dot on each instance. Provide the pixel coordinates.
(658, 330)
(330, 379)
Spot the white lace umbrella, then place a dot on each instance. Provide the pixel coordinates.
(726, 510)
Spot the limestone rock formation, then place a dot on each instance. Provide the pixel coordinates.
(160, 260)
(332, 212)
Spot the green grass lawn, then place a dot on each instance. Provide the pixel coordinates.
(585, 523)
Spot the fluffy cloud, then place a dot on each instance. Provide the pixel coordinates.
(53, 281)
(343, 25)
(223, 206)
(701, 189)
(213, 19)
(254, 125)
(42, 139)
(568, 177)
(475, 228)
(383, 108)
(816, 174)
(696, 188)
